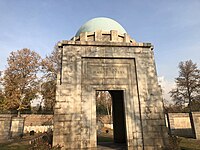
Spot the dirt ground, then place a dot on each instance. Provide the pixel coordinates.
(18, 143)
(105, 136)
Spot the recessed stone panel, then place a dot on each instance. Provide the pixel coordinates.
(106, 71)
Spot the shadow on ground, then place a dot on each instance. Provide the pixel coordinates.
(111, 145)
(105, 142)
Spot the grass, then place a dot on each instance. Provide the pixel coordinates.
(23, 144)
(189, 144)
(14, 146)
(105, 136)
(102, 138)
(184, 143)
(18, 143)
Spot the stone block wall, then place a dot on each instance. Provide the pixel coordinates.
(196, 118)
(38, 128)
(108, 61)
(5, 125)
(180, 124)
(17, 126)
(37, 122)
(11, 126)
(179, 120)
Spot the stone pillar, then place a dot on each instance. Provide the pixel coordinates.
(17, 126)
(196, 118)
(5, 125)
(114, 35)
(83, 36)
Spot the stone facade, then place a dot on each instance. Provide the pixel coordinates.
(108, 61)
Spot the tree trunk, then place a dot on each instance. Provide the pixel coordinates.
(192, 125)
(169, 125)
(19, 113)
(111, 114)
(190, 112)
(108, 112)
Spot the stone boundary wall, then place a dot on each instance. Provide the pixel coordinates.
(11, 126)
(38, 129)
(5, 127)
(110, 126)
(180, 124)
(37, 122)
(17, 126)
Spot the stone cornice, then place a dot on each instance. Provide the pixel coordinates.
(103, 38)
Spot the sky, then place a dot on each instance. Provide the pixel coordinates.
(172, 26)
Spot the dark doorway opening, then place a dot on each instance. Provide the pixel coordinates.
(119, 124)
(113, 109)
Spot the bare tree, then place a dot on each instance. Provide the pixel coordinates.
(20, 79)
(104, 103)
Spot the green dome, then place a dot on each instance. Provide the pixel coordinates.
(104, 24)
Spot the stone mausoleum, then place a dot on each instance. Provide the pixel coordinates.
(103, 57)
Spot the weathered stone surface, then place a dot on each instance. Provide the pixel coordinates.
(196, 117)
(180, 124)
(112, 62)
(5, 125)
(17, 126)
